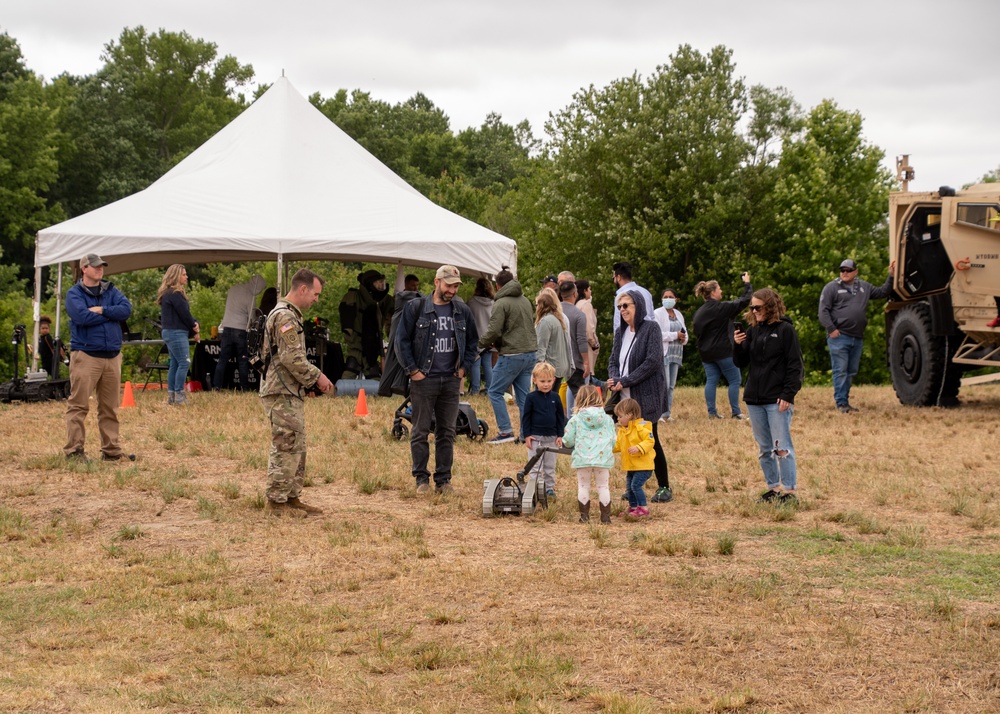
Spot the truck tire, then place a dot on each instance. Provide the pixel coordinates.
(919, 362)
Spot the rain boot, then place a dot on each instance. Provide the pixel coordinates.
(605, 513)
(584, 511)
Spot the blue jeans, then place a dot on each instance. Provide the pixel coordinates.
(485, 361)
(845, 358)
(232, 344)
(180, 358)
(773, 431)
(434, 398)
(727, 369)
(634, 481)
(510, 369)
(670, 370)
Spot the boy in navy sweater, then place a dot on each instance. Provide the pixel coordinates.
(543, 421)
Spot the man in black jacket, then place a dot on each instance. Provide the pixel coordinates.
(843, 312)
(436, 345)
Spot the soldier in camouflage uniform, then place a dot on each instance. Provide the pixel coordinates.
(287, 378)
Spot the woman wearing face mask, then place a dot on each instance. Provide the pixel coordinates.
(674, 338)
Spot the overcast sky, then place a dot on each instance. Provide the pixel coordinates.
(925, 75)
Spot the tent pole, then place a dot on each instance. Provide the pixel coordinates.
(36, 311)
(57, 340)
(281, 273)
(400, 283)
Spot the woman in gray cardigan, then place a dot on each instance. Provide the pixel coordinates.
(552, 334)
(635, 368)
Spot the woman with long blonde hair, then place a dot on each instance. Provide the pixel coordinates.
(552, 334)
(177, 325)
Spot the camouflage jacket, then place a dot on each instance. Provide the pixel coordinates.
(289, 371)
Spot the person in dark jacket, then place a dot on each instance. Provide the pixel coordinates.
(713, 327)
(47, 347)
(770, 348)
(177, 326)
(843, 313)
(96, 310)
(365, 317)
(543, 423)
(635, 368)
(436, 345)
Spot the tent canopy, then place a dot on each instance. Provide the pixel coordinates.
(279, 180)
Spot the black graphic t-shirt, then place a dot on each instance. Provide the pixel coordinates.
(444, 344)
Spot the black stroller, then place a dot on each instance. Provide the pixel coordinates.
(395, 381)
(467, 422)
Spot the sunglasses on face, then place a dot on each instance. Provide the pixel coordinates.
(625, 306)
(756, 308)
(847, 270)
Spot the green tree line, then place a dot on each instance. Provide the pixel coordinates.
(690, 173)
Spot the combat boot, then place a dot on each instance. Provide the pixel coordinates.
(605, 513)
(309, 510)
(584, 511)
(283, 509)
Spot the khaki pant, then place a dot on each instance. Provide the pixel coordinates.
(89, 375)
(286, 463)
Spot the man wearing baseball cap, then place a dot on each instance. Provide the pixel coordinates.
(96, 309)
(843, 312)
(436, 345)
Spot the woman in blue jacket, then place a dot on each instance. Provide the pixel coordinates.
(177, 326)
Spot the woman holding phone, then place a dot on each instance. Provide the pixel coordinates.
(770, 348)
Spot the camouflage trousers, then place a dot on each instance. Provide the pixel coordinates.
(286, 462)
(354, 358)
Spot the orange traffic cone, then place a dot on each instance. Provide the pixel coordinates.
(127, 399)
(362, 408)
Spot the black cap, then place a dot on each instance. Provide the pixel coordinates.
(849, 264)
(550, 279)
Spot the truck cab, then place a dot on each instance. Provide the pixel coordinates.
(945, 246)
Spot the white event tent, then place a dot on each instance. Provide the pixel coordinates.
(280, 182)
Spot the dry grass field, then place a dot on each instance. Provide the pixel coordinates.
(162, 585)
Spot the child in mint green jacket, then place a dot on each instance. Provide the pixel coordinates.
(591, 435)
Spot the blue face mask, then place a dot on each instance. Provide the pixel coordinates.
(669, 303)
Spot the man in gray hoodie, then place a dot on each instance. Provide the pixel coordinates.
(240, 302)
(512, 332)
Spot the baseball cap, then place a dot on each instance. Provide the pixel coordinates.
(92, 260)
(550, 279)
(849, 264)
(449, 274)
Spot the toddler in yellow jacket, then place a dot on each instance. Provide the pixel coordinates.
(635, 444)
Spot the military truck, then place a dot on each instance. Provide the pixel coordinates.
(945, 245)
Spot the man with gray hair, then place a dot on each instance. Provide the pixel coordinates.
(96, 310)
